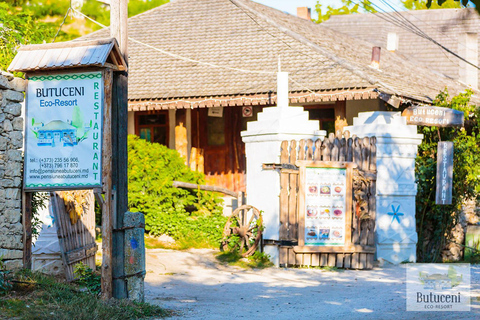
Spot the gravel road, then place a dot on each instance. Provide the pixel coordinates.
(193, 284)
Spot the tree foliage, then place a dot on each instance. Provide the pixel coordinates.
(191, 216)
(352, 7)
(434, 222)
(348, 7)
(19, 28)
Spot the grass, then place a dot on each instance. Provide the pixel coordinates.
(258, 260)
(37, 296)
(152, 242)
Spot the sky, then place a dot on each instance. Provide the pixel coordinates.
(290, 6)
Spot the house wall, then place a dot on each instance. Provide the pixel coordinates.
(11, 158)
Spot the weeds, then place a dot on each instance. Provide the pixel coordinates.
(36, 296)
(86, 277)
(258, 260)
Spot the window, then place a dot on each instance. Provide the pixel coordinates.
(215, 131)
(152, 127)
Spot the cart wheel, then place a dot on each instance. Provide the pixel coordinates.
(243, 230)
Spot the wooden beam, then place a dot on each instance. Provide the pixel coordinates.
(346, 249)
(107, 210)
(180, 184)
(27, 231)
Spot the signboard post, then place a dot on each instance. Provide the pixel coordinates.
(63, 138)
(444, 172)
(325, 206)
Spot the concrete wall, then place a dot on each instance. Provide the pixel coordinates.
(354, 107)
(11, 160)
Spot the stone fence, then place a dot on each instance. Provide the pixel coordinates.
(11, 160)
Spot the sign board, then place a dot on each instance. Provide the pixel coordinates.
(325, 206)
(63, 139)
(433, 116)
(444, 172)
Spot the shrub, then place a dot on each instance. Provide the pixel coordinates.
(191, 216)
(434, 222)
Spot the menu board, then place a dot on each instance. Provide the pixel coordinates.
(325, 206)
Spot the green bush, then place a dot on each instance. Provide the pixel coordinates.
(191, 216)
(435, 222)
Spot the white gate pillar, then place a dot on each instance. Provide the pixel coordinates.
(262, 145)
(397, 142)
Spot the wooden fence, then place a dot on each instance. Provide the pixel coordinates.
(340, 148)
(76, 230)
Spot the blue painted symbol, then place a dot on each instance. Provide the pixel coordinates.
(395, 214)
(133, 243)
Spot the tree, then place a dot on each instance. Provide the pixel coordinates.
(352, 7)
(348, 7)
(19, 28)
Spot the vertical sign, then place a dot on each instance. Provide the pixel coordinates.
(325, 206)
(444, 172)
(63, 139)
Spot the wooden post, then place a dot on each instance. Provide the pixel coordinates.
(107, 209)
(118, 30)
(27, 231)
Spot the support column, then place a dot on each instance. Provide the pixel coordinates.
(397, 143)
(262, 145)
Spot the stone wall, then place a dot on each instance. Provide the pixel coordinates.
(11, 163)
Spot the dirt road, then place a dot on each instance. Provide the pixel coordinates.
(192, 283)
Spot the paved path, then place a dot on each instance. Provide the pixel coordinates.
(192, 283)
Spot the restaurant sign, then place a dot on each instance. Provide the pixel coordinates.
(63, 140)
(433, 116)
(444, 172)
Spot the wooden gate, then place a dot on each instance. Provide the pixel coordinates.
(340, 148)
(76, 234)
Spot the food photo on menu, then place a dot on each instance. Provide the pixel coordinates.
(312, 190)
(324, 233)
(311, 233)
(312, 211)
(324, 189)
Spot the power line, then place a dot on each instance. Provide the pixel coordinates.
(414, 30)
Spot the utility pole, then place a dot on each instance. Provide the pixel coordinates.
(119, 155)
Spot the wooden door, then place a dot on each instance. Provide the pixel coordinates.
(224, 151)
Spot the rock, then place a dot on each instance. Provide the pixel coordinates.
(16, 139)
(13, 95)
(7, 254)
(18, 84)
(17, 182)
(13, 264)
(14, 155)
(6, 182)
(166, 238)
(11, 241)
(18, 124)
(7, 75)
(11, 216)
(4, 83)
(13, 193)
(13, 108)
(7, 126)
(3, 143)
(13, 170)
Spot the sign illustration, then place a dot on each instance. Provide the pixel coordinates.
(64, 131)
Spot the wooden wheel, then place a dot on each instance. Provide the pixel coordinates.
(243, 230)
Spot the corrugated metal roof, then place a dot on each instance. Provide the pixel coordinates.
(64, 55)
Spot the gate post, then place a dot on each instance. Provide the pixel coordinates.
(262, 145)
(397, 142)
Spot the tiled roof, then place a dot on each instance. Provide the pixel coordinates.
(240, 34)
(446, 26)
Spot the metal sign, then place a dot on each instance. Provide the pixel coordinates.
(63, 140)
(433, 116)
(444, 173)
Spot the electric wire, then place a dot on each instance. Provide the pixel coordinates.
(63, 22)
(389, 18)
